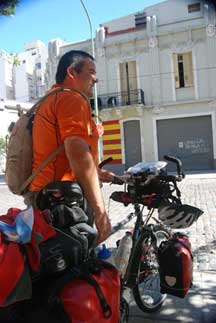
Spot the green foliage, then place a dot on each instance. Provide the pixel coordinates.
(2, 144)
(16, 61)
(7, 7)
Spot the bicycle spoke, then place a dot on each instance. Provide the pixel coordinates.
(147, 291)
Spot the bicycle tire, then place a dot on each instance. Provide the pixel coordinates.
(146, 292)
(124, 311)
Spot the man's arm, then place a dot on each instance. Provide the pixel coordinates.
(86, 173)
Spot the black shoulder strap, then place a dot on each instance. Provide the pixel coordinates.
(107, 311)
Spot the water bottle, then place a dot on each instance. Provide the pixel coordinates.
(123, 253)
(105, 254)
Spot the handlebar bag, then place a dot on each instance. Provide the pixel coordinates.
(144, 179)
(175, 265)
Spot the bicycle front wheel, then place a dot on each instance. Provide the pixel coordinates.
(146, 292)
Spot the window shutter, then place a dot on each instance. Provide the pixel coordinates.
(188, 69)
(176, 71)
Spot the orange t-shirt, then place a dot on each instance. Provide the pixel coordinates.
(63, 114)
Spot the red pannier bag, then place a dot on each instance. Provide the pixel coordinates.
(176, 265)
(82, 303)
(93, 297)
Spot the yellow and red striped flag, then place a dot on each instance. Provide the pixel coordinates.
(112, 141)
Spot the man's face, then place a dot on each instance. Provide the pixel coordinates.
(86, 78)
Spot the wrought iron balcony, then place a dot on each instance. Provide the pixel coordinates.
(119, 99)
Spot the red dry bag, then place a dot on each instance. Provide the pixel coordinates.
(93, 297)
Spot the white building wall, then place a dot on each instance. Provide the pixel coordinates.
(2, 79)
(22, 87)
(56, 48)
(6, 76)
(176, 31)
(120, 24)
(30, 73)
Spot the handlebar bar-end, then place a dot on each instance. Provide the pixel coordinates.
(178, 163)
(105, 161)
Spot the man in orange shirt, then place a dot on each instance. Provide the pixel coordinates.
(65, 117)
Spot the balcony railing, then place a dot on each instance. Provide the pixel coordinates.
(119, 99)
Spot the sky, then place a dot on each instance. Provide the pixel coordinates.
(66, 19)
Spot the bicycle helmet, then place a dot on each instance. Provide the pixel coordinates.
(178, 216)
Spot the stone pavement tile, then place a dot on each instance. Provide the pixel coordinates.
(174, 310)
(199, 306)
(209, 310)
(207, 284)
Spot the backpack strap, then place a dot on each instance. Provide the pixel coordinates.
(40, 167)
(31, 112)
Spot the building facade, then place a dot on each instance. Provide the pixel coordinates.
(156, 92)
(162, 62)
(22, 81)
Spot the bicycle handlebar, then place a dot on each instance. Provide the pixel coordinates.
(125, 179)
(178, 163)
(105, 161)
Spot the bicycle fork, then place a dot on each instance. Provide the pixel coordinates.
(139, 256)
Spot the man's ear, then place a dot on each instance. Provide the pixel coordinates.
(70, 72)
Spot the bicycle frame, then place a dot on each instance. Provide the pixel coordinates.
(141, 228)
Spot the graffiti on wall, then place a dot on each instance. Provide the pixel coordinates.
(195, 146)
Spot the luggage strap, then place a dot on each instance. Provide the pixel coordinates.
(107, 311)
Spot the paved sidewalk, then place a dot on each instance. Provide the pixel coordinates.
(200, 304)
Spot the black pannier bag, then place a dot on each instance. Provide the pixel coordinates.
(176, 265)
(70, 247)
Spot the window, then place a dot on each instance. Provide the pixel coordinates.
(38, 65)
(140, 19)
(183, 68)
(194, 7)
(34, 53)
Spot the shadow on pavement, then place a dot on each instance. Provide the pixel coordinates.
(199, 306)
